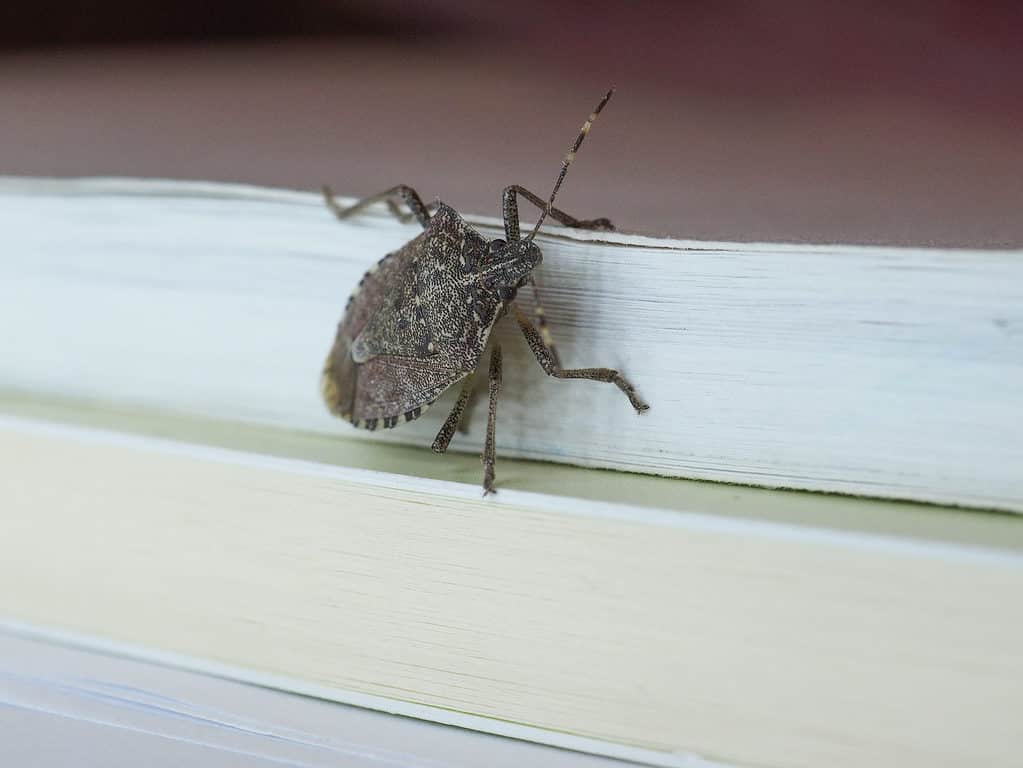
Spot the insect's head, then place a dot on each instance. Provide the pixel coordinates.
(509, 266)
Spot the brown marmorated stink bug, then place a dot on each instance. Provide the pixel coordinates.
(419, 320)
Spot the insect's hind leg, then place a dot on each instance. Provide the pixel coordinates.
(452, 422)
(510, 211)
(464, 424)
(552, 367)
(409, 196)
(489, 456)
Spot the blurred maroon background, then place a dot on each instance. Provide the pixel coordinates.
(802, 121)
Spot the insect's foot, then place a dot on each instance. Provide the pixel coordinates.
(328, 198)
(600, 224)
(488, 482)
(634, 399)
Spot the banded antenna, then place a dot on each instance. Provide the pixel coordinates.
(569, 157)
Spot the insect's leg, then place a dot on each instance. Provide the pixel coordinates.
(553, 368)
(404, 217)
(541, 322)
(510, 209)
(489, 452)
(450, 426)
(408, 195)
(463, 425)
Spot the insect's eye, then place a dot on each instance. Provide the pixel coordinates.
(497, 245)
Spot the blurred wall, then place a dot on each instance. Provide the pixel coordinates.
(797, 120)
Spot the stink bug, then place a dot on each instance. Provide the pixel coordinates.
(419, 320)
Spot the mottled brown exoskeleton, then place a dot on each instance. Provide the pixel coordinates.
(420, 319)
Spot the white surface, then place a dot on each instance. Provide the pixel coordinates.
(614, 629)
(877, 371)
(61, 706)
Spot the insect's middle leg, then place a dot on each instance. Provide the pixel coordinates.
(409, 196)
(552, 367)
(510, 210)
(489, 450)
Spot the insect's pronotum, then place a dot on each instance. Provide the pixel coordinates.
(420, 319)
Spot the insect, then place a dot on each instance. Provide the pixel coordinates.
(419, 321)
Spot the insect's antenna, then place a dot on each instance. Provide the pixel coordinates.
(569, 157)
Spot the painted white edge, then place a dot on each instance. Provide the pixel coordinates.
(366, 701)
(142, 187)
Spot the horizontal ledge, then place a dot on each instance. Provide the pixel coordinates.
(567, 616)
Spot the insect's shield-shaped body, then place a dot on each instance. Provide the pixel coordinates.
(420, 319)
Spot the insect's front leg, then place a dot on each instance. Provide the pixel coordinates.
(510, 211)
(552, 367)
(408, 195)
(541, 323)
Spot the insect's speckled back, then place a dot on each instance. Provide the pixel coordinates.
(420, 320)
(417, 323)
